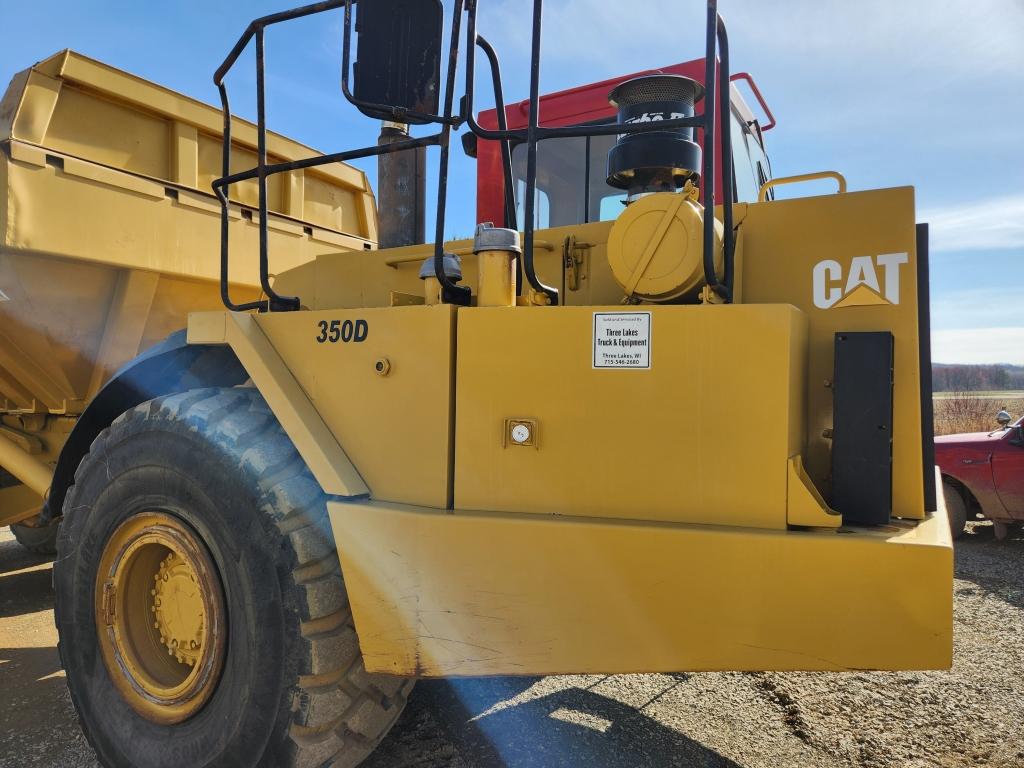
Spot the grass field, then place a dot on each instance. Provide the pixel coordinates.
(974, 411)
(1009, 394)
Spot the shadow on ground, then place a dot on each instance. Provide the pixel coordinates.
(482, 723)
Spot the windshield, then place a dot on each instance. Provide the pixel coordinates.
(571, 187)
(571, 172)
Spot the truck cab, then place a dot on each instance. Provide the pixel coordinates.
(983, 473)
(571, 172)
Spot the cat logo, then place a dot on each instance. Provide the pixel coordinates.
(861, 287)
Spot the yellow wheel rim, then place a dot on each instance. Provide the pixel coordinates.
(160, 617)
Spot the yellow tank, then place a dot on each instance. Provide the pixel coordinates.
(109, 236)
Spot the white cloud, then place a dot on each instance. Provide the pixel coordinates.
(991, 224)
(979, 345)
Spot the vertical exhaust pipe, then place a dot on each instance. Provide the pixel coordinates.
(401, 190)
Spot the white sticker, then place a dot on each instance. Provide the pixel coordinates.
(622, 339)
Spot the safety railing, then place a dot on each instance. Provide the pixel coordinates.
(717, 80)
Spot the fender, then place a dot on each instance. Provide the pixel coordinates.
(299, 418)
(168, 367)
(983, 493)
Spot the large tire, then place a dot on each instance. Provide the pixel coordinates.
(292, 690)
(956, 508)
(41, 540)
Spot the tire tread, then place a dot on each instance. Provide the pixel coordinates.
(339, 711)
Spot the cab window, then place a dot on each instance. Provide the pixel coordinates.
(571, 172)
(571, 187)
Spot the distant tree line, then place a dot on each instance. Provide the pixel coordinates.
(976, 378)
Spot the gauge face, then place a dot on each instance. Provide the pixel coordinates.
(520, 433)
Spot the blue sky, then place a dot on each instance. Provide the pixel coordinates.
(922, 92)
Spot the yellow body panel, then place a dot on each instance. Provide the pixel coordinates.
(110, 234)
(436, 594)
(298, 416)
(75, 106)
(396, 428)
(779, 266)
(642, 443)
(667, 516)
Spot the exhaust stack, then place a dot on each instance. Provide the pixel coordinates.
(401, 190)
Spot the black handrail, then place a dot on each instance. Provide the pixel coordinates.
(716, 85)
(221, 186)
(716, 40)
(506, 145)
(728, 170)
(530, 203)
(450, 292)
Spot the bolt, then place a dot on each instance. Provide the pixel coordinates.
(156, 625)
(174, 643)
(194, 645)
(157, 602)
(163, 639)
(152, 608)
(180, 658)
(152, 591)
(170, 652)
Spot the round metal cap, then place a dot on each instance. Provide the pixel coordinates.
(491, 238)
(648, 88)
(452, 267)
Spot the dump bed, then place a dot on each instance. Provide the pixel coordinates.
(109, 231)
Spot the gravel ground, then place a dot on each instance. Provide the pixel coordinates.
(972, 716)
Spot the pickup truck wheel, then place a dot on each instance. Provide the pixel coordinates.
(200, 607)
(956, 508)
(41, 540)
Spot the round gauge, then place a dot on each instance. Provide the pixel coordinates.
(520, 433)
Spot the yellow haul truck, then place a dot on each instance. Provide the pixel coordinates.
(108, 232)
(516, 455)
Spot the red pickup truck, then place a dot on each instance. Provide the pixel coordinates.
(983, 474)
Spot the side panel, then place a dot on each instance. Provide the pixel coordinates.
(849, 261)
(394, 425)
(436, 594)
(702, 435)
